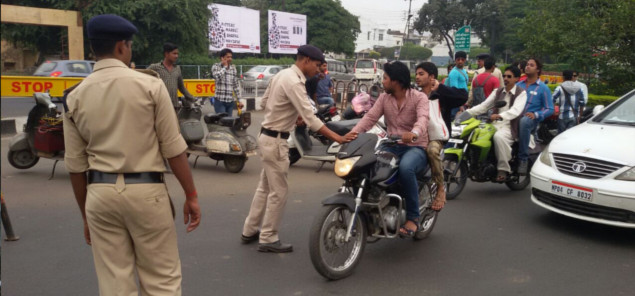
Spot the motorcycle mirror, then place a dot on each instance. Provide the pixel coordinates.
(500, 104)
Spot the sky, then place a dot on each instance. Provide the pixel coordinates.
(390, 14)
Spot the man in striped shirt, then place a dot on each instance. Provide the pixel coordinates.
(170, 73)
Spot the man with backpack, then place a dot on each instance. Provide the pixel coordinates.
(483, 84)
(570, 98)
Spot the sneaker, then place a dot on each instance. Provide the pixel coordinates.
(522, 168)
(276, 247)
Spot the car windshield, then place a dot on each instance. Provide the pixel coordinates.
(257, 69)
(621, 113)
(47, 67)
(364, 64)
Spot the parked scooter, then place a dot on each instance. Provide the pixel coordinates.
(369, 206)
(42, 136)
(226, 140)
(473, 155)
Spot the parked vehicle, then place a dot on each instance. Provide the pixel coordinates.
(369, 69)
(42, 135)
(339, 71)
(588, 171)
(65, 68)
(262, 74)
(473, 155)
(226, 140)
(368, 207)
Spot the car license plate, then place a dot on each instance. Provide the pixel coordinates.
(572, 191)
(217, 146)
(457, 141)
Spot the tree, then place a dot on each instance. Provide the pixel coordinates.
(183, 22)
(374, 55)
(593, 36)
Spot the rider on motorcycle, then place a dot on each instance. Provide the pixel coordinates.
(505, 119)
(406, 112)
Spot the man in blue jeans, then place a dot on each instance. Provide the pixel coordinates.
(325, 86)
(226, 78)
(539, 106)
(406, 112)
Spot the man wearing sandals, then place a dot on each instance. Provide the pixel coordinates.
(505, 119)
(406, 112)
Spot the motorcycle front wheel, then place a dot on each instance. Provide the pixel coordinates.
(294, 155)
(22, 159)
(332, 256)
(234, 163)
(454, 183)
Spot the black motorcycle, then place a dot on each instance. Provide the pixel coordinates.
(367, 207)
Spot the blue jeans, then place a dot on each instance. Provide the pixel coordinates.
(525, 129)
(325, 100)
(224, 107)
(565, 124)
(412, 160)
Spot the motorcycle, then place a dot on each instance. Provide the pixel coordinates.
(472, 155)
(42, 136)
(367, 208)
(226, 140)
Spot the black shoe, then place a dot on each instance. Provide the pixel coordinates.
(522, 168)
(249, 239)
(276, 247)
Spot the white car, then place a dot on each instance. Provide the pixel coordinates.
(588, 172)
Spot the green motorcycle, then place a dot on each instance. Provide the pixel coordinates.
(472, 155)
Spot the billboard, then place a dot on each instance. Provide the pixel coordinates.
(287, 32)
(236, 28)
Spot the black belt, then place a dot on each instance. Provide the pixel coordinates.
(129, 178)
(274, 134)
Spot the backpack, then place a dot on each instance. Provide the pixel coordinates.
(478, 92)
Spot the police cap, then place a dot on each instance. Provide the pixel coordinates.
(482, 56)
(110, 27)
(312, 52)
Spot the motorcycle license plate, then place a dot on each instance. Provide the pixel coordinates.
(217, 146)
(572, 191)
(457, 141)
(336, 118)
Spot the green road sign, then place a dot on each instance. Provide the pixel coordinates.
(462, 39)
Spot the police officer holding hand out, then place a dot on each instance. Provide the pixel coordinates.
(283, 101)
(119, 127)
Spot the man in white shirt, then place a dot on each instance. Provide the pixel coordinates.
(510, 114)
(583, 87)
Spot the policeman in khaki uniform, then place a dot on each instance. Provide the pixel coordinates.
(284, 99)
(119, 127)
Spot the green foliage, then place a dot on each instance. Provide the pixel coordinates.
(600, 100)
(374, 55)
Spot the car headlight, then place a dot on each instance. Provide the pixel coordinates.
(344, 166)
(627, 176)
(544, 156)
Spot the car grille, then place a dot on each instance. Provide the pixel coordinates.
(584, 208)
(595, 169)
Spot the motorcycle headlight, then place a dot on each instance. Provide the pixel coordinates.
(544, 156)
(627, 176)
(344, 166)
(457, 130)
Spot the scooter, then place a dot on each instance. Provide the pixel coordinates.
(472, 155)
(226, 140)
(42, 136)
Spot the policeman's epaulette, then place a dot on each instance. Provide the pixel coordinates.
(149, 72)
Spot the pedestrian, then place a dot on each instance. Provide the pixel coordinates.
(325, 86)
(484, 83)
(521, 65)
(458, 77)
(226, 78)
(119, 126)
(539, 106)
(449, 68)
(481, 58)
(133, 65)
(568, 96)
(284, 99)
(171, 75)
(583, 87)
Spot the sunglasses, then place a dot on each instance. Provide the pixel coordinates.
(508, 76)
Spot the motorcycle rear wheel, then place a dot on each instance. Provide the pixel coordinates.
(22, 159)
(428, 216)
(523, 181)
(454, 184)
(234, 164)
(331, 255)
(294, 156)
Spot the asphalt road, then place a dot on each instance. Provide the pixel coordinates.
(489, 241)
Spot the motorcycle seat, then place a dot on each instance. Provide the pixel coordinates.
(229, 121)
(342, 127)
(213, 117)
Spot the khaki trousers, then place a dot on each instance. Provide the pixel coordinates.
(131, 227)
(503, 146)
(270, 198)
(434, 159)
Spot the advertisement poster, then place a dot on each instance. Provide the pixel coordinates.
(287, 32)
(236, 28)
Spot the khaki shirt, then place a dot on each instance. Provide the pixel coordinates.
(120, 121)
(284, 99)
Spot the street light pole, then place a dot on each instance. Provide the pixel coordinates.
(407, 33)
